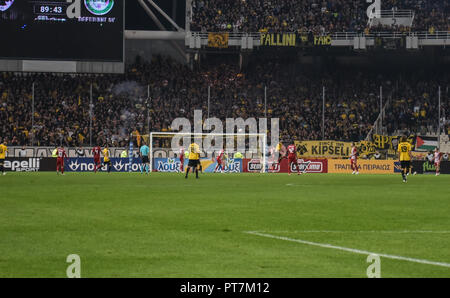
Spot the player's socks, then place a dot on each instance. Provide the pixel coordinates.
(142, 169)
(147, 168)
(196, 173)
(187, 172)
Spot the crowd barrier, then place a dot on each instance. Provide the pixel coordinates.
(364, 166)
(46, 164)
(425, 167)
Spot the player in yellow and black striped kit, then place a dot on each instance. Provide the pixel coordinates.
(3, 150)
(194, 159)
(404, 150)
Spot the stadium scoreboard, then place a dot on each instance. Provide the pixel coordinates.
(79, 30)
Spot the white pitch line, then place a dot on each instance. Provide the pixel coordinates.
(361, 231)
(356, 251)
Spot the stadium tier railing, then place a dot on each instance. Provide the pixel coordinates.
(420, 34)
(392, 16)
(239, 39)
(396, 13)
(231, 35)
(341, 35)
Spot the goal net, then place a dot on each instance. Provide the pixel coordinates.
(166, 149)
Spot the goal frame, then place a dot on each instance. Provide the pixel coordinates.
(259, 135)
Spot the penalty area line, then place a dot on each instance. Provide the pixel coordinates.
(356, 232)
(352, 250)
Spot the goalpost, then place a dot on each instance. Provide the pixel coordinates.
(250, 145)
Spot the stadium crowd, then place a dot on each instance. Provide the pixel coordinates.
(62, 102)
(318, 17)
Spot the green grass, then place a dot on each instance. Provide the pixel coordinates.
(128, 225)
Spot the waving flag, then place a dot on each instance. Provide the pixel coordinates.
(426, 143)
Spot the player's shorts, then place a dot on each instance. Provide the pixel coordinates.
(405, 164)
(193, 162)
(145, 159)
(59, 162)
(96, 160)
(436, 164)
(2, 161)
(292, 160)
(107, 162)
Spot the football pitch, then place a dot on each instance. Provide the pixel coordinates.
(224, 225)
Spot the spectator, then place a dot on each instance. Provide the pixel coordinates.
(22, 152)
(80, 152)
(62, 111)
(309, 16)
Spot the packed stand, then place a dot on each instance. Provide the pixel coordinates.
(294, 95)
(318, 17)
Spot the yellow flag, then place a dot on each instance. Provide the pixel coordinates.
(218, 40)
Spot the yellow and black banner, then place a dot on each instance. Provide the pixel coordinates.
(322, 40)
(389, 142)
(327, 149)
(218, 40)
(366, 149)
(293, 40)
(279, 39)
(333, 149)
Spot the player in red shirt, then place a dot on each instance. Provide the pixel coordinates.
(437, 161)
(97, 162)
(354, 159)
(220, 162)
(292, 158)
(181, 160)
(60, 160)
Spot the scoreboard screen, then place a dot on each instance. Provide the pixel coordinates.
(76, 30)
